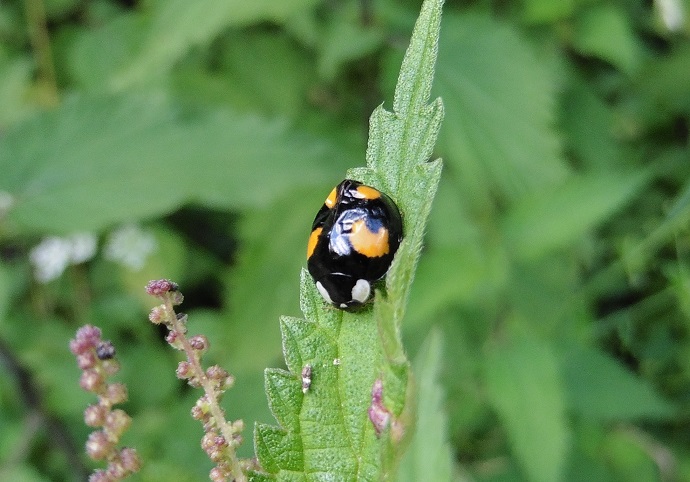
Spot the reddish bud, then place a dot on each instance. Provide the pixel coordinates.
(86, 359)
(94, 415)
(86, 336)
(378, 414)
(217, 373)
(197, 413)
(220, 442)
(160, 287)
(208, 441)
(218, 475)
(91, 380)
(115, 470)
(98, 446)
(117, 422)
(199, 342)
(157, 315)
(116, 393)
(184, 370)
(130, 460)
(173, 338)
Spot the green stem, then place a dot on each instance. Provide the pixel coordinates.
(40, 42)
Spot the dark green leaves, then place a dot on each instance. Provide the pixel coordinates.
(87, 153)
(525, 387)
(499, 133)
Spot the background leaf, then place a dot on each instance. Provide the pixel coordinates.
(599, 387)
(177, 26)
(162, 157)
(524, 384)
(429, 454)
(498, 137)
(555, 218)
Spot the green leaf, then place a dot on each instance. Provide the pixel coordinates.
(349, 352)
(15, 75)
(346, 40)
(429, 456)
(588, 124)
(264, 265)
(499, 132)
(605, 32)
(558, 217)
(524, 385)
(545, 11)
(96, 55)
(178, 25)
(599, 387)
(99, 161)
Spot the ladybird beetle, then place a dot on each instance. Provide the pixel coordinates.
(353, 240)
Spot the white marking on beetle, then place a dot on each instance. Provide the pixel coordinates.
(324, 292)
(361, 290)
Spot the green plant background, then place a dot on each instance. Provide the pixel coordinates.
(556, 267)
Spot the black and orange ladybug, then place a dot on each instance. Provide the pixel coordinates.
(353, 240)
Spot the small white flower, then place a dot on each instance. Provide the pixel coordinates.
(672, 13)
(83, 247)
(130, 246)
(50, 258)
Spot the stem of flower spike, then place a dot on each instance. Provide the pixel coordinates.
(219, 451)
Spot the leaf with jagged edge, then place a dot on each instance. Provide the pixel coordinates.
(325, 431)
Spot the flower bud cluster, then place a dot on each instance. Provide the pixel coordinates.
(221, 437)
(96, 359)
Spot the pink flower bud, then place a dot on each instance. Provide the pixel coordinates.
(218, 475)
(94, 415)
(379, 415)
(86, 359)
(199, 342)
(116, 393)
(91, 380)
(160, 287)
(216, 373)
(157, 314)
(184, 370)
(130, 460)
(116, 423)
(98, 446)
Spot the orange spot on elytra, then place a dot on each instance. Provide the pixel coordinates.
(369, 192)
(367, 242)
(313, 238)
(330, 200)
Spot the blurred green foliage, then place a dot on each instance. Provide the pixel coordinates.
(557, 262)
